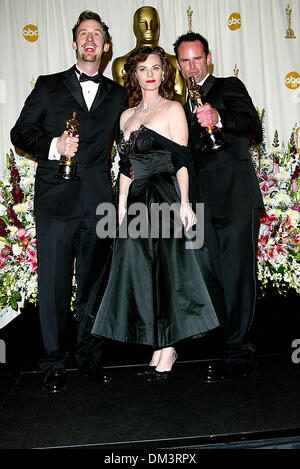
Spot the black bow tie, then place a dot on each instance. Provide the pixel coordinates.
(94, 78)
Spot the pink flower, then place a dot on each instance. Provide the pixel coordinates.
(23, 236)
(6, 250)
(267, 185)
(20, 257)
(270, 252)
(268, 220)
(264, 239)
(2, 261)
(279, 248)
(264, 186)
(294, 186)
(259, 253)
(296, 207)
(32, 261)
(21, 232)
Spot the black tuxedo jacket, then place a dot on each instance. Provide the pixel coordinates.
(227, 179)
(44, 116)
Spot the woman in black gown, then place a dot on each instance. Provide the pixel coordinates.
(156, 293)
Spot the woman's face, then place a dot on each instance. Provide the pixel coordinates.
(149, 73)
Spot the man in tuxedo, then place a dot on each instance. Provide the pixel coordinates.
(65, 210)
(229, 189)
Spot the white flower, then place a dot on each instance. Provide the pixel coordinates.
(266, 161)
(21, 208)
(27, 182)
(25, 162)
(13, 229)
(282, 176)
(294, 216)
(7, 184)
(275, 211)
(275, 151)
(31, 230)
(270, 201)
(282, 198)
(30, 171)
(17, 249)
(2, 210)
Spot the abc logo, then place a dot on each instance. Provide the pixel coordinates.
(234, 21)
(30, 32)
(292, 80)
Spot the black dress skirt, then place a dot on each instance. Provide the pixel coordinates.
(156, 292)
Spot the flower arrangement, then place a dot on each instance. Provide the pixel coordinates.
(18, 260)
(278, 171)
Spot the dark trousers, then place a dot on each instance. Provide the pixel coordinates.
(232, 244)
(61, 245)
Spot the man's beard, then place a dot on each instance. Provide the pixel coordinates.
(88, 58)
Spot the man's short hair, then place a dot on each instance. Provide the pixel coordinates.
(190, 37)
(90, 15)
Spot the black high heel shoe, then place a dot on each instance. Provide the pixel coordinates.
(150, 370)
(159, 376)
(156, 376)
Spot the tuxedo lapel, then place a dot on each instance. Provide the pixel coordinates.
(103, 90)
(191, 117)
(71, 82)
(208, 84)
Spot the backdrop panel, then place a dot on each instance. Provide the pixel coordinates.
(244, 35)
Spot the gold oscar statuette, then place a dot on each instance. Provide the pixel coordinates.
(190, 12)
(289, 32)
(67, 167)
(212, 139)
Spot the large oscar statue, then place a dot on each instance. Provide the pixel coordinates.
(146, 27)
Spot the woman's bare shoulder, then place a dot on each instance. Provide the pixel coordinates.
(126, 115)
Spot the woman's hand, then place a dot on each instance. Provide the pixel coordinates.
(187, 215)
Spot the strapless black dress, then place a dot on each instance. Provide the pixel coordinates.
(156, 292)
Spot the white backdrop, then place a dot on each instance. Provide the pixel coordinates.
(36, 38)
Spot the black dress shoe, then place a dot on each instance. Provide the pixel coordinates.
(95, 372)
(155, 376)
(220, 372)
(150, 370)
(102, 377)
(55, 381)
(159, 376)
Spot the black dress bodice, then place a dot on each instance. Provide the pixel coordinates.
(146, 153)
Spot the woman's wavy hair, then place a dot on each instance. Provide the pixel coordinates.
(131, 84)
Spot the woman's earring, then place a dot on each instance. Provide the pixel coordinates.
(162, 76)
